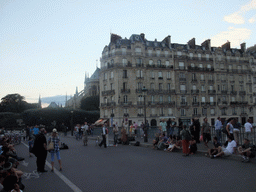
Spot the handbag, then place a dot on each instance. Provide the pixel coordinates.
(50, 146)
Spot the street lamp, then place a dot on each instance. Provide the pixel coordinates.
(71, 123)
(144, 90)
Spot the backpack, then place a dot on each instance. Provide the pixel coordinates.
(187, 135)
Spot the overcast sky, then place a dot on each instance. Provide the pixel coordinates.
(47, 46)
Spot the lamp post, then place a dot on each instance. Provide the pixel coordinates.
(71, 123)
(144, 90)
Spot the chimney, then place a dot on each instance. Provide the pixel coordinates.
(142, 35)
(207, 44)
(243, 47)
(168, 41)
(226, 46)
(114, 38)
(192, 43)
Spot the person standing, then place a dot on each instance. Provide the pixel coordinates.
(115, 132)
(197, 133)
(141, 130)
(192, 127)
(36, 130)
(206, 132)
(218, 127)
(163, 125)
(56, 143)
(236, 130)
(186, 137)
(135, 125)
(248, 129)
(64, 129)
(40, 150)
(230, 128)
(103, 142)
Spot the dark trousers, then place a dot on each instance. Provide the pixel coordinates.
(103, 141)
(40, 161)
(115, 139)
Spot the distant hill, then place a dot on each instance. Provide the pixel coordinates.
(58, 99)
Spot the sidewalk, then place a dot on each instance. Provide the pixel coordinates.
(201, 149)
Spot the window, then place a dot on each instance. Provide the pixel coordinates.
(168, 75)
(191, 55)
(150, 62)
(193, 87)
(123, 51)
(183, 99)
(161, 86)
(203, 88)
(112, 62)
(241, 88)
(160, 75)
(194, 99)
(158, 62)
(167, 63)
(139, 61)
(203, 99)
(153, 111)
(231, 77)
(179, 53)
(230, 67)
(169, 99)
(219, 57)
(125, 110)
(182, 75)
(182, 88)
(239, 67)
(112, 99)
(169, 86)
(111, 75)
(201, 66)
(140, 85)
(105, 87)
(158, 53)
(223, 98)
(161, 99)
(161, 111)
(169, 111)
(111, 86)
(211, 99)
(152, 74)
(113, 51)
(202, 77)
(152, 99)
(140, 98)
(140, 111)
(166, 53)
(233, 99)
(181, 65)
(149, 52)
(204, 111)
(207, 56)
(211, 87)
(212, 112)
(199, 56)
(182, 112)
(105, 76)
(193, 76)
(124, 61)
(124, 86)
(232, 87)
(152, 86)
(195, 111)
(139, 73)
(221, 66)
(223, 87)
(125, 74)
(138, 50)
(192, 65)
(223, 111)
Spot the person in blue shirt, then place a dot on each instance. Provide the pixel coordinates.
(36, 130)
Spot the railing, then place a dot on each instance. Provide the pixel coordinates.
(194, 91)
(125, 90)
(126, 103)
(109, 92)
(210, 92)
(195, 103)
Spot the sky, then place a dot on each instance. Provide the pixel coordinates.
(46, 47)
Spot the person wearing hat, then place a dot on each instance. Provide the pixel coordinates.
(56, 142)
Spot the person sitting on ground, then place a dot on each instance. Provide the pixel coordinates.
(162, 142)
(172, 143)
(246, 151)
(229, 150)
(192, 146)
(156, 140)
(169, 140)
(177, 145)
(214, 150)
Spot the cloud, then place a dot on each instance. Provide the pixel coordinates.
(233, 35)
(252, 19)
(237, 17)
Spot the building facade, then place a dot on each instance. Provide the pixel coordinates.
(181, 80)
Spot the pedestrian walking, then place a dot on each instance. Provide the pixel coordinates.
(206, 132)
(56, 143)
(115, 132)
(103, 142)
(248, 130)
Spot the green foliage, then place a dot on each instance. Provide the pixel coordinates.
(46, 116)
(90, 103)
(15, 103)
(9, 119)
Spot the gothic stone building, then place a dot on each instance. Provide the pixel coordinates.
(181, 80)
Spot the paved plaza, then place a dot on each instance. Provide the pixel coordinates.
(129, 168)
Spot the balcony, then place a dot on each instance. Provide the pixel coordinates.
(140, 102)
(183, 91)
(108, 104)
(233, 92)
(183, 103)
(204, 103)
(172, 103)
(195, 103)
(232, 82)
(160, 78)
(140, 65)
(182, 79)
(139, 90)
(194, 91)
(112, 115)
(126, 114)
(242, 93)
(126, 103)
(243, 113)
(224, 102)
(241, 82)
(194, 81)
(160, 66)
(153, 115)
(150, 66)
(140, 115)
(162, 115)
(125, 91)
(109, 92)
(196, 115)
(151, 103)
(210, 81)
(211, 92)
(140, 78)
(212, 103)
(224, 92)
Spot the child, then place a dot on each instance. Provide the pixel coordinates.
(30, 145)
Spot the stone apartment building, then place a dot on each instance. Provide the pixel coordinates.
(179, 80)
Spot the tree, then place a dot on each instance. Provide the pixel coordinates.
(14, 103)
(90, 103)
